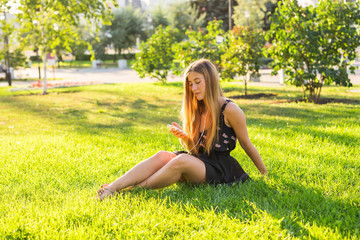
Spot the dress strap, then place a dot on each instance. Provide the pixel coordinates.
(224, 105)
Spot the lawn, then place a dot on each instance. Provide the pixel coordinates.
(56, 150)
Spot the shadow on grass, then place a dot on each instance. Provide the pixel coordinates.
(281, 95)
(139, 111)
(310, 121)
(293, 205)
(237, 91)
(255, 96)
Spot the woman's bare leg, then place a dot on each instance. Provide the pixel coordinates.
(142, 171)
(161, 170)
(189, 167)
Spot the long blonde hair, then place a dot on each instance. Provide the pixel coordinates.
(193, 108)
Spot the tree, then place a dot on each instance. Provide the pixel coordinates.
(254, 14)
(7, 30)
(79, 48)
(242, 54)
(182, 16)
(126, 26)
(49, 24)
(315, 45)
(215, 9)
(16, 57)
(159, 17)
(156, 54)
(200, 45)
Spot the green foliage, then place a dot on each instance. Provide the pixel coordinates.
(79, 51)
(87, 57)
(79, 48)
(215, 9)
(200, 45)
(48, 25)
(315, 45)
(156, 54)
(159, 17)
(242, 53)
(258, 13)
(12, 54)
(16, 57)
(126, 26)
(98, 48)
(182, 17)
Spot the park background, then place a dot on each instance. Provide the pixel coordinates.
(89, 119)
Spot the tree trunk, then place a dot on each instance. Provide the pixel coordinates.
(245, 87)
(304, 91)
(7, 73)
(164, 76)
(247, 79)
(321, 84)
(115, 54)
(318, 94)
(8, 77)
(45, 81)
(312, 96)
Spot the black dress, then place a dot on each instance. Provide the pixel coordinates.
(220, 166)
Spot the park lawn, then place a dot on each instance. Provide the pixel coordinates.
(56, 150)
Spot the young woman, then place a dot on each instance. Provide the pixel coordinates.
(211, 126)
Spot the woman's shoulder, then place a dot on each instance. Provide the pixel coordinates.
(228, 104)
(223, 102)
(232, 108)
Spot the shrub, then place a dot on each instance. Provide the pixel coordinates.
(200, 45)
(156, 54)
(315, 45)
(242, 53)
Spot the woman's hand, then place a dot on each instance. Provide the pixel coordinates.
(176, 132)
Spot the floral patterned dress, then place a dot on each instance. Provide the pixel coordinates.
(220, 166)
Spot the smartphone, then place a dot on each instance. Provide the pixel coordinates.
(176, 128)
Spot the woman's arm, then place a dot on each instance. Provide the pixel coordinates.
(182, 137)
(235, 117)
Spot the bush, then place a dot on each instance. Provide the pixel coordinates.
(311, 43)
(265, 62)
(200, 45)
(156, 54)
(35, 58)
(106, 57)
(16, 57)
(83, 57)
(242, 53)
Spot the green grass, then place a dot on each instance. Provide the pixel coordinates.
(56, 150)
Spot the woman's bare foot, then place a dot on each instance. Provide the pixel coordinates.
(104, 192)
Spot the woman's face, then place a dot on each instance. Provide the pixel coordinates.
(197, 85)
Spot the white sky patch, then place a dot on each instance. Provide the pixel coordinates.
(305, 3)
(14, 6)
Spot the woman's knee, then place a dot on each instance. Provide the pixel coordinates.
(191, 168)
(180, 162)
(163, 157)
